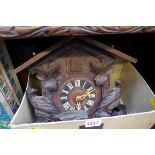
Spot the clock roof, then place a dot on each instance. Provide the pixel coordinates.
(84, 41)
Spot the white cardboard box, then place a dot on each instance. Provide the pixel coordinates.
(136, 95)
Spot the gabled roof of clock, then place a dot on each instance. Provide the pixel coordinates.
(86, 40)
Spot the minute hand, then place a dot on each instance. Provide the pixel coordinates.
(82, 97)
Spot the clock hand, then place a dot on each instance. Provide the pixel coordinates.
(82, 97)
(78, 107)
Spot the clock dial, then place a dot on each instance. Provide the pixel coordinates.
(78, 91)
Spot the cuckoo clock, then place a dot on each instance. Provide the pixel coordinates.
(74, 67)
(76, 76)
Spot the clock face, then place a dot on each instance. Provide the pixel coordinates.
(78, 94)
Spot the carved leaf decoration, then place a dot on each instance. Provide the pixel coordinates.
(39, 72)
(100, 68)
(45, 72)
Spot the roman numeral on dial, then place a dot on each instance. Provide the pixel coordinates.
(70, 86)
(63, 97)
(84, 84)
(92, 96)
(64, 91)
(66, 105)
(77, 83)
(85, 108)
(90, 102)
(90, 88)
(72, 108)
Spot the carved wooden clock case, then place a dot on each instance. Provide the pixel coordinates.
(74, 66)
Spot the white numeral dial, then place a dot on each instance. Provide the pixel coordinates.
(70, 86)
(72, 108)
(66, 105)
(92, 96)
(77, 83)
(90, 102)
(90, 88)
(63, 97)
(85, 108)
(64, 91)
(84, 84)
